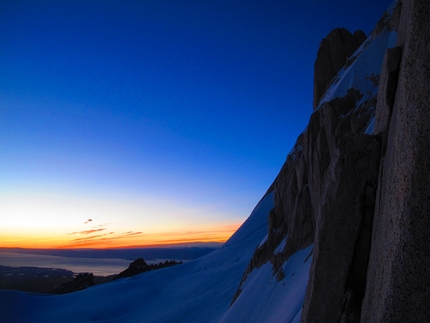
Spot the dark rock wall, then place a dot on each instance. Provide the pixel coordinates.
(324, 193)
(333, 54)
(343, 211)
(398, 284)
(373, 265)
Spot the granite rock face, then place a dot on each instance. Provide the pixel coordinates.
(398, 287)
(389, 280)
(356, 183)
(324, 194)
(333, 53)
(342, 210)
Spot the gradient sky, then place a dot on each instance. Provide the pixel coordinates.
(152, 122)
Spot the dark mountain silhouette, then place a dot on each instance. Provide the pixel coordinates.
(140, 266)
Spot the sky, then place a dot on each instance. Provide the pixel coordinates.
(142, 123)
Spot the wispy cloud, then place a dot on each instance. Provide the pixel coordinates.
(99, 237)
(124, 235)
(101, 225)
(131, 233)
(110, 238)
(89, 238)
(87, 231)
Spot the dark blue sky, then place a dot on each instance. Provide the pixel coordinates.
(192, 104)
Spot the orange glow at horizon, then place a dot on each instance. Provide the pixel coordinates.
(97, 240)
(60, 220)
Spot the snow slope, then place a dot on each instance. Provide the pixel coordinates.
(264, 299)
(198, 291)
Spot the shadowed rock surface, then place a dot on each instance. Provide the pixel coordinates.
(398, 288)
(33, 279)
(80, 282)
(324, 194)
(333, 53)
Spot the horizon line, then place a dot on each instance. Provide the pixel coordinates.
(214, 244)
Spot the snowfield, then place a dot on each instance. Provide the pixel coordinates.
(198, 291)
(264, 299)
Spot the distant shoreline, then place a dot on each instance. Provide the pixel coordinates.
(98, 266)
(38, 279)
(148, 253)
(100, 262)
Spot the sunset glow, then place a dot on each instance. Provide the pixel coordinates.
(88, 239)
(55, 221)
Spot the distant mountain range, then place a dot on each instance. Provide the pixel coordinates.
(179, 252)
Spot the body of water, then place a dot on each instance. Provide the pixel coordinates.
(97, 266)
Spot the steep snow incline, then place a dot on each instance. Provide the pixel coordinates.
(197, 291)
(264, 299)
(366, 65)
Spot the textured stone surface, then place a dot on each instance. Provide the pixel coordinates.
(343, 214)
(320, 196)
(388, 82)
(333, 53)
(398, 284)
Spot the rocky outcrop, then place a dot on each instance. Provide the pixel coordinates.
(140, 266)
(342, 210)
(333, 53)
(136, 267)
(324, 193)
